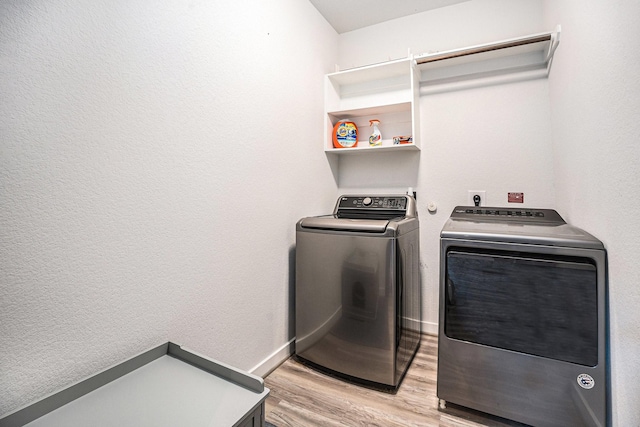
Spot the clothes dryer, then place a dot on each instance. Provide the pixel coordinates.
(522, 331)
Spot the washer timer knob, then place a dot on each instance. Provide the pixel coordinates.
(367, 201)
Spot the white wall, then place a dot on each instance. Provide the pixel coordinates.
(492, 138)
(464, 24)
(154, 158)
(594, 90)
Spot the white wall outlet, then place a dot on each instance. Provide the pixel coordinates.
(472, 193)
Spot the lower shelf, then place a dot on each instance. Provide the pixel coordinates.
(381, 148)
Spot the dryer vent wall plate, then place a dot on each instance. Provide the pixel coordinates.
(472, 198)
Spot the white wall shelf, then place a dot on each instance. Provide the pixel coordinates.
(388, 92)
(454, 69)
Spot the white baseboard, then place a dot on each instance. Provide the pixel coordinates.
(430, 328)
(274, 360)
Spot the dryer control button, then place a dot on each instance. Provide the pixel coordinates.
(367, 201)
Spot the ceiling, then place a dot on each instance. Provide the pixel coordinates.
(348, 15)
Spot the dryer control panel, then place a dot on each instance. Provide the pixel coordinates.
(540, 216)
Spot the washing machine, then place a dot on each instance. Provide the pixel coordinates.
(358, 299)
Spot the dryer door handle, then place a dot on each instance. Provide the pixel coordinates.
(451, 292)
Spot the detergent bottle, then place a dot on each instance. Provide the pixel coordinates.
(376, 137)
(345, 134)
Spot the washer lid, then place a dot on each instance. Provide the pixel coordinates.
(345, 224)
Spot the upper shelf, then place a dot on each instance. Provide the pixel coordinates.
(387, 83)
(533, 53)
(375, 72)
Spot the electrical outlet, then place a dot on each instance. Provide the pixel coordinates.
(472, 193)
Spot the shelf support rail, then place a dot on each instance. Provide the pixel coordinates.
(553, 45)
(552, 38)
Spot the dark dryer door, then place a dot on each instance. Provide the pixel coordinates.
(543, 306)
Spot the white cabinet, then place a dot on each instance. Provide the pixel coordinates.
(387, 92)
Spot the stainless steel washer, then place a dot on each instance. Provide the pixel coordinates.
(358, 289)
(522, 331)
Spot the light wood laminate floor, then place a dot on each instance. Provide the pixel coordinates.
(301, 397)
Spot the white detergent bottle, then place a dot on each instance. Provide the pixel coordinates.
(376, 137)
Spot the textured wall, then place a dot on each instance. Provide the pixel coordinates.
(465, 24)
(594, 91)
(154, 158)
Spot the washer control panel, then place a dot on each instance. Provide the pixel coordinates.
(398, 203)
